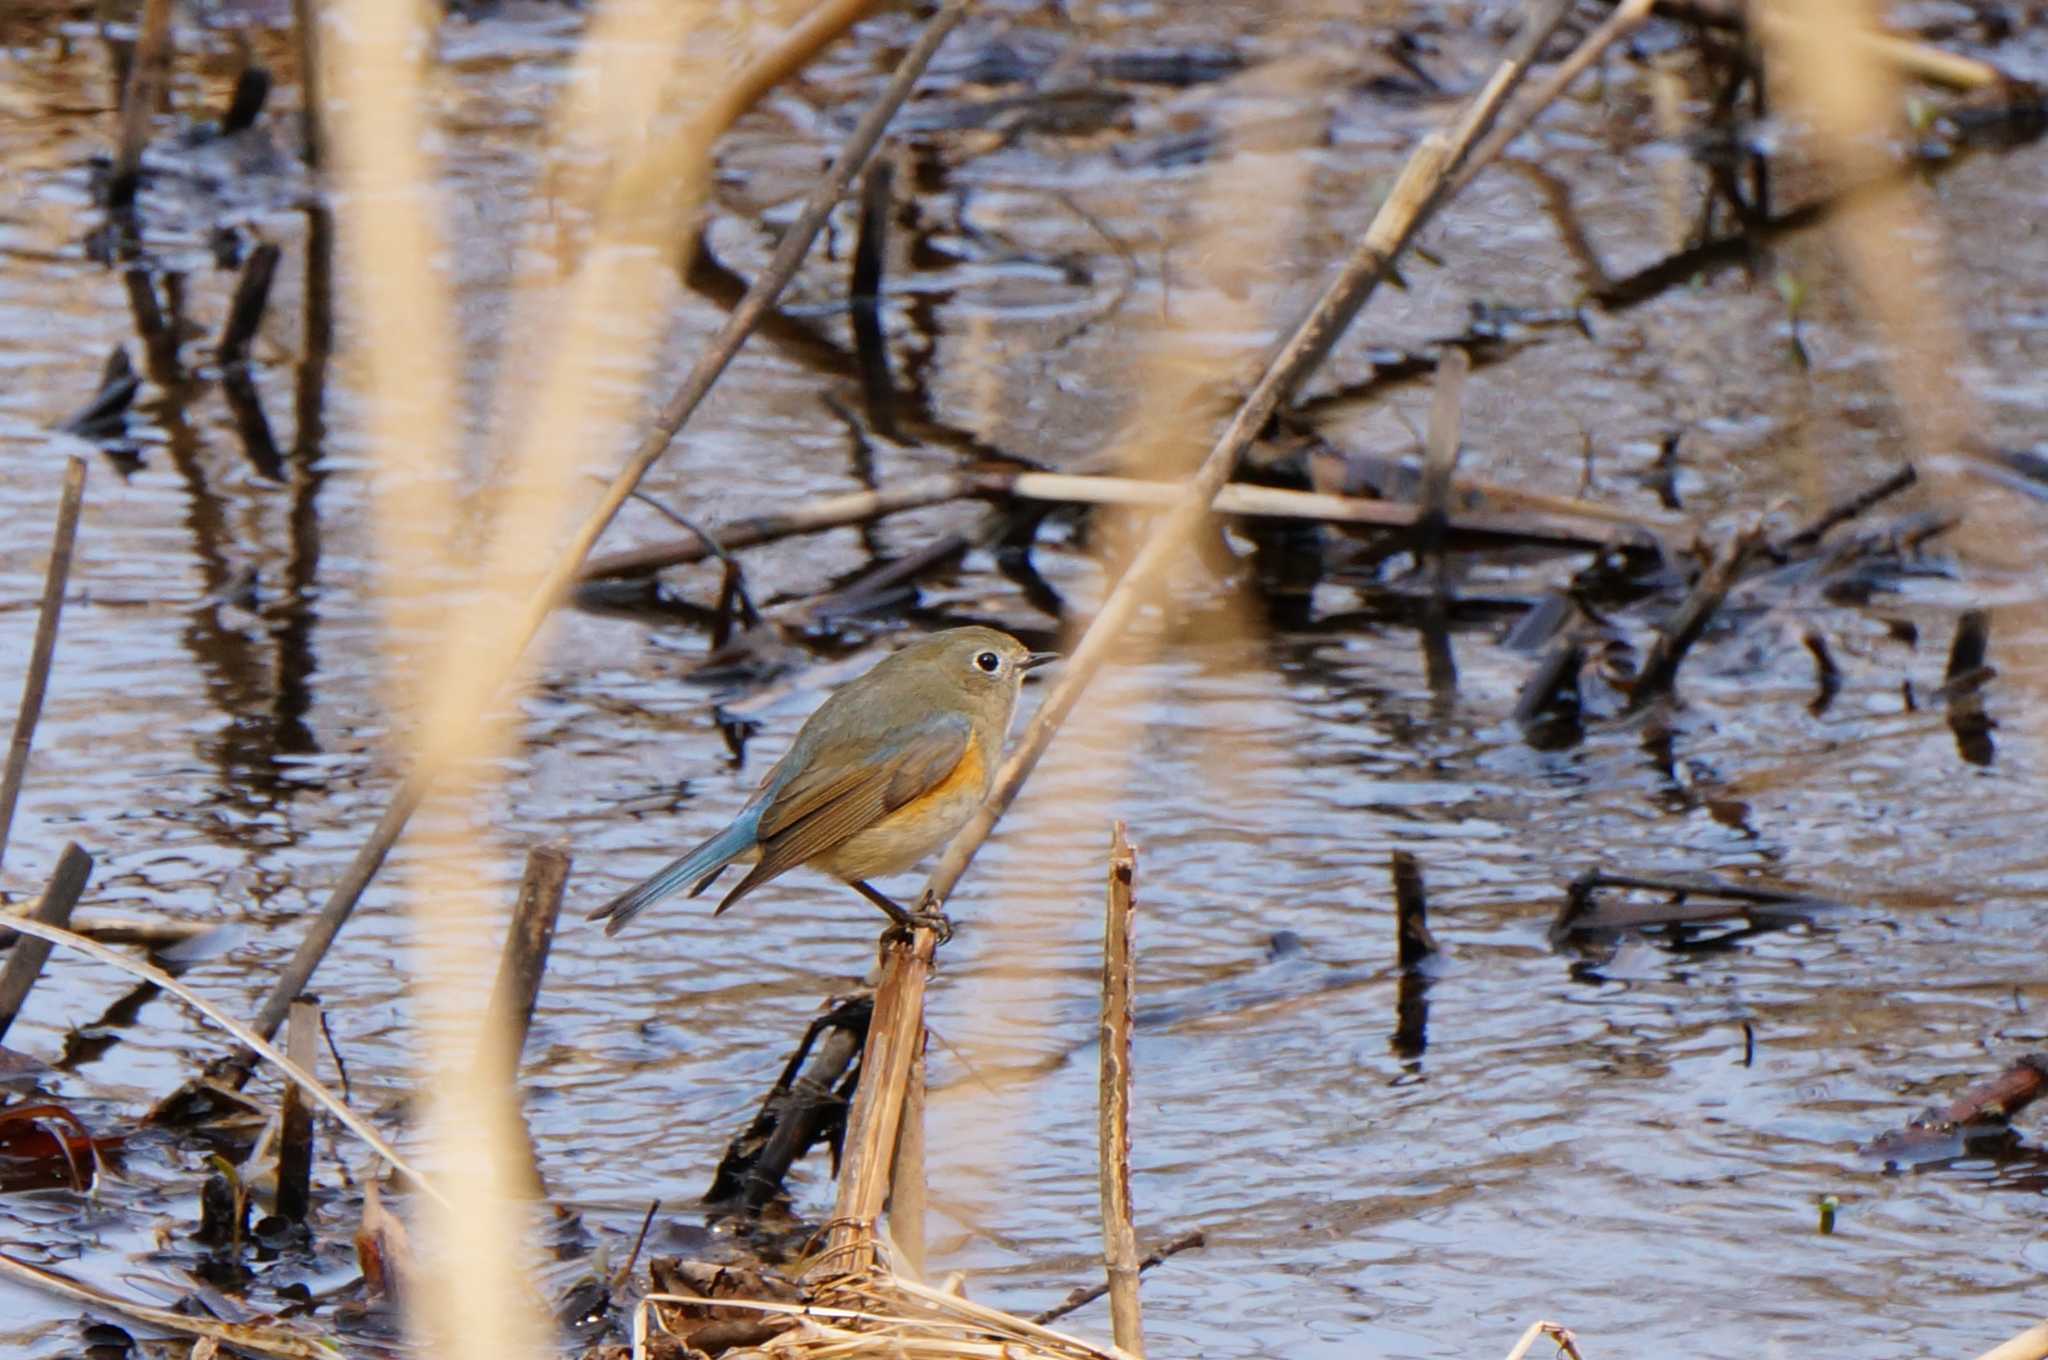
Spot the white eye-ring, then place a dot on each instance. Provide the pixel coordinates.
(989, 662)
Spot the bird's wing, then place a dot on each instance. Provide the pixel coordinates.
(833, 799)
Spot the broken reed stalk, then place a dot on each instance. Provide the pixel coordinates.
(295, 1115)
(148, 69)
(43, 651)
(674, 414)
(245, 313)
(26, 959)
(527, 940)
(906, 965)
(1113, 1109)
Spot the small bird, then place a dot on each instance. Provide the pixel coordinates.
(886, 770)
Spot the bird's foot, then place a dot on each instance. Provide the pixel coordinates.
(926, 917)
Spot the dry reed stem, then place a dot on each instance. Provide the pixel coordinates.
(295, 1115)
(1236, 498)
(1119, 1237)
(907, 1178)
(2032, 1344)
(892, 1315)
(262, 1338)
(1414, 197)
(668, 422)
(43, 651)
(305, 1080)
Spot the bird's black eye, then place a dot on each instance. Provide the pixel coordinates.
(989, 662)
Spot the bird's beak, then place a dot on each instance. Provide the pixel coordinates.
(1036, 659)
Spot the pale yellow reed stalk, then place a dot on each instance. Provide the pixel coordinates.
(406, 363)
(643, 153)
(1828, 75)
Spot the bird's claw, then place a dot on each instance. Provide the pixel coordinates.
(924, 918)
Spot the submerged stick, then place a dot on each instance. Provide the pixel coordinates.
(44, 649)
(525, 959)
(789, 254)
(1689, 621)
(905, 964)
(800, 1109)
(245, 313)
(25, 961)
(1414, 943)
(295, 1115)
(1119, 1237)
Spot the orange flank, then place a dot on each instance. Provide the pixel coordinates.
(964, 781)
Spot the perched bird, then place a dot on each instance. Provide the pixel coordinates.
(880, 776)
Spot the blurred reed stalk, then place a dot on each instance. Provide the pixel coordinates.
(647, 99)
(1829, 70)
(1837, 70)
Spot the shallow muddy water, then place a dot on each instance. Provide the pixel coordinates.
(1580, 1137)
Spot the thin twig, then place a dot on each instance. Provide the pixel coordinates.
(45, 647)
(248, 1037)
(1551, 526)
(1089, 1293)
(1113, 1101)
(263, 1338)
(1566, 1345)
(789, 255)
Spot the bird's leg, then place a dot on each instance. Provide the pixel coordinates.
(927, 915)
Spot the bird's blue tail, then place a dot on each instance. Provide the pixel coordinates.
(697, 868)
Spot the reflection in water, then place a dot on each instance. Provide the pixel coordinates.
(215, 720)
